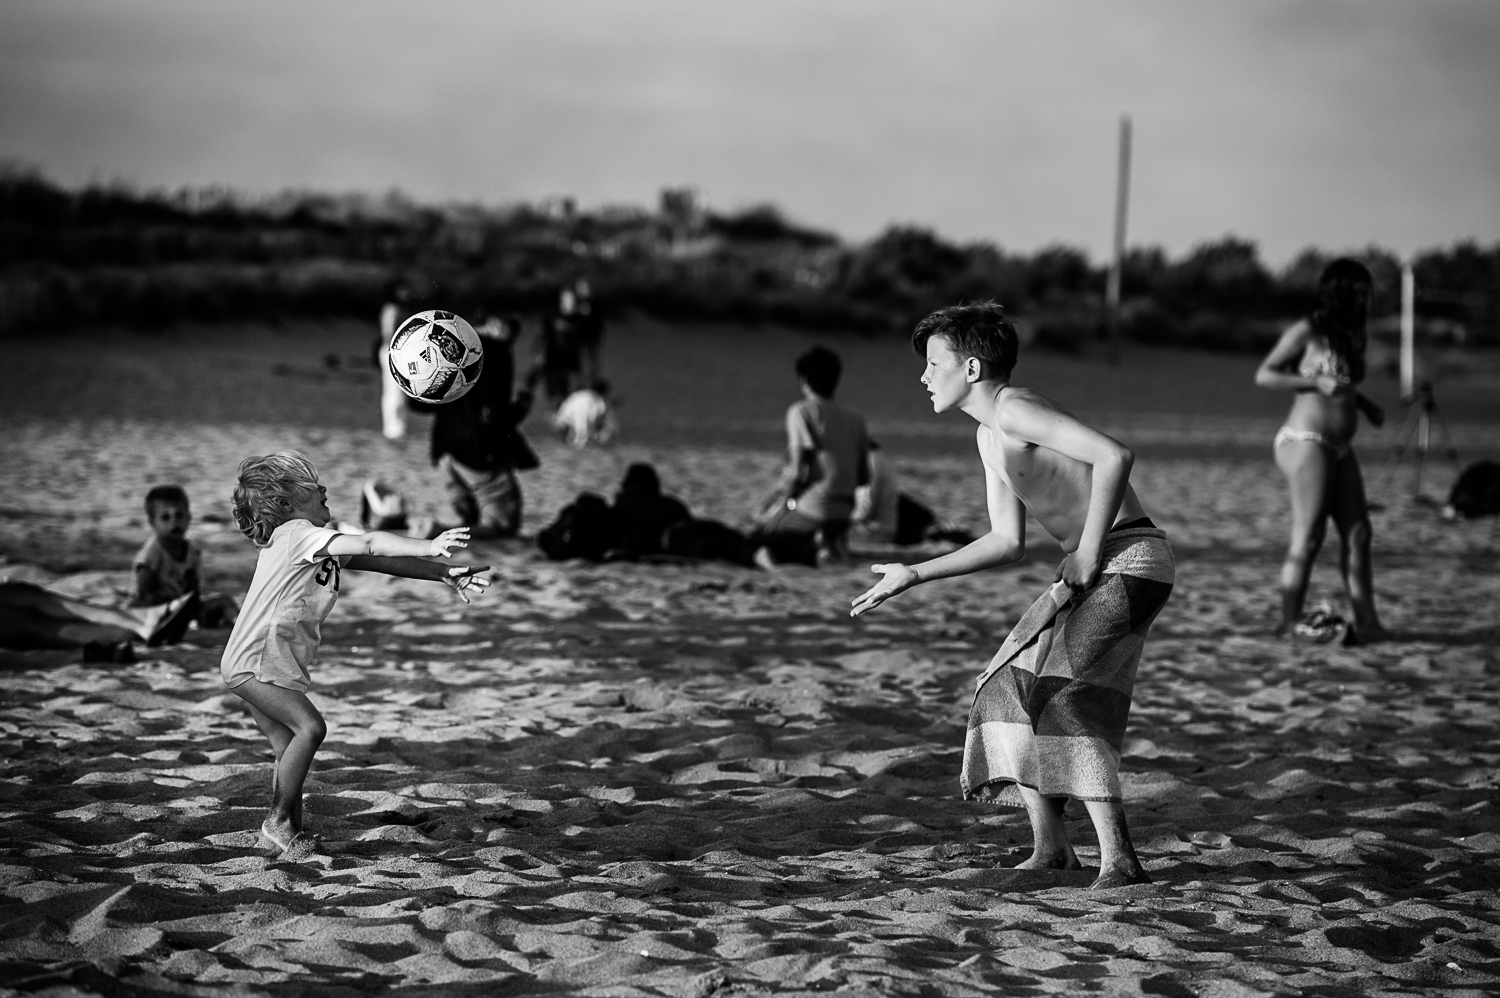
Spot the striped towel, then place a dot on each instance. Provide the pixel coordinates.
(1049, 713)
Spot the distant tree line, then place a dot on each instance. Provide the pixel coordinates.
(109, 255)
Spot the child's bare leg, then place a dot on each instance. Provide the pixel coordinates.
(1351, 516)
(1306, 467)
(1050, 849)
(280, 736)
(1118, 865)
(292, 710)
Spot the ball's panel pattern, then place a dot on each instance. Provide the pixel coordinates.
(452, 350)
(438, 388)
(412, 325)
(436, 356)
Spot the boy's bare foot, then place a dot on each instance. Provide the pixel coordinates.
(276, 835)
(1119, 878)
(1058, 859)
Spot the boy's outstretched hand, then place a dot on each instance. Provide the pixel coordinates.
(443, 544)
(898, 579)
(461, 577)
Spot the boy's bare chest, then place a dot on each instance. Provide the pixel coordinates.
(1018, 462)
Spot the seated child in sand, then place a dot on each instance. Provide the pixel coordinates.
(168, 565)
(586, 417)
(1049, 712)
(280, 506)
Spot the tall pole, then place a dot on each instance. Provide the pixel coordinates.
(1122, 204)
(1408, 329)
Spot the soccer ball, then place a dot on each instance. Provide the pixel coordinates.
(435, 356)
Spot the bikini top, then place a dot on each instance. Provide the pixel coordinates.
(1318, 360)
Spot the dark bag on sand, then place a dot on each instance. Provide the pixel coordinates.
(1477, 491)
(913, 520)
(586, 528)
(708, 540)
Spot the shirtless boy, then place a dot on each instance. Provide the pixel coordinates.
(1049, 713)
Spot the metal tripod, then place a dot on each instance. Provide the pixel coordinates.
(1416, 434)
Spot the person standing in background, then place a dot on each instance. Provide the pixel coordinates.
(1321, 359)
(392, 399)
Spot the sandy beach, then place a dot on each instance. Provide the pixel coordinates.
(629, 779)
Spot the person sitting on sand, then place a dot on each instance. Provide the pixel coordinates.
(643, 514)
(827, 459)
(168, 565)
(1049, 712)
(1322, 358)
(586, 416)
(280, 506)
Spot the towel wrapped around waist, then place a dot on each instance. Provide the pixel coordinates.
(1049, 713)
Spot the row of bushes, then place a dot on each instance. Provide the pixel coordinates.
(113, 256)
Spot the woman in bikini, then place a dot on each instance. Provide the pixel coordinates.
(1322, 359)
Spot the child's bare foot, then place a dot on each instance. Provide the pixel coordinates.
(1119, 878)
(1057, 859)
(276, 834)
(303, 847)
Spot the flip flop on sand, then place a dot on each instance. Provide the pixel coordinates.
(1323, 626)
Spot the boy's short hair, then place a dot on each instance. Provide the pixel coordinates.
(978, 330)
(263, 482)
(166, 495)
(821, 369)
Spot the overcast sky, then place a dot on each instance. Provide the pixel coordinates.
(1290, 122)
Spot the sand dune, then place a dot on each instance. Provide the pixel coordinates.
(667, 780)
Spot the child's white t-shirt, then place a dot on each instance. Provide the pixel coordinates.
(276, 636)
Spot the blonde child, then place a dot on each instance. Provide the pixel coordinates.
(280, 506)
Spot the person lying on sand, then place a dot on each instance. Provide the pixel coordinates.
(1049, 713)
(33, 617)
(280, 506)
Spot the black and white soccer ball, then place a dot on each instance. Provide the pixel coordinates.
(435, 356)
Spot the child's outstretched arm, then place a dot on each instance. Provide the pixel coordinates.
(456, 577)
(382, 544)
(1005, 543)
(405, 557)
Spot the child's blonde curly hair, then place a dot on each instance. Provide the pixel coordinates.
(263, 484)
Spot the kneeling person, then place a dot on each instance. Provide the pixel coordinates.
(1049, 712)
(477, 441)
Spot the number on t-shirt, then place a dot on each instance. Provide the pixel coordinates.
(329, 569)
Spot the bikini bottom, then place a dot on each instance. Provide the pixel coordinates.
(1338, 450)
